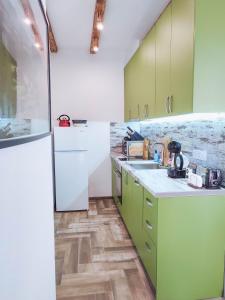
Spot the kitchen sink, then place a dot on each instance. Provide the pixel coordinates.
(144, 165)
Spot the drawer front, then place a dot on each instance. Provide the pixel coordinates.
(149, 258)
(150, 214)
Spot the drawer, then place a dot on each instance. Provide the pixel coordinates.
(148, 255)
(150, 215)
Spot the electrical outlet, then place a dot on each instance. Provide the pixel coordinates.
(200, 155)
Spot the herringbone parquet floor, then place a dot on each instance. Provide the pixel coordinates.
(95, 258)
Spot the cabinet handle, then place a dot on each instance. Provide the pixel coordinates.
(137, 183)
(147, 111)
(138, 111)
(148, 225)
(149, 202)
(167, 104)
(148, 247)
(170, 104)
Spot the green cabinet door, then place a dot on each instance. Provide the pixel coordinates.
(132, 88)
(147, 76)
(126, 197)
(140, 81)
(209, 77)
(136, 209)
(191, 247)
(163, 58)
(182, 55)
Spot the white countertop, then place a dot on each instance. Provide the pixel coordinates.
(160, 185)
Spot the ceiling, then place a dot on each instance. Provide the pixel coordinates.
(126, 23)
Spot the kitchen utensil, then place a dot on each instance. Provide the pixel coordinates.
(64, 121)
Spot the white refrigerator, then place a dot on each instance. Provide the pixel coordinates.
(71, 168)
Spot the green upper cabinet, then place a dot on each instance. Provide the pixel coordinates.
(140, 81)
(147, 76)
(179, 67)
(182, 56)
(174, 59)
(209, 73)
(163, 65)
(131, 89)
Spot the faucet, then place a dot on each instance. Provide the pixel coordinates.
(162, 153)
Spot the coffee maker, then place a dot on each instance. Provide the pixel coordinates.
(176, 170)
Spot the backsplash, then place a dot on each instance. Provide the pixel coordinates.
(203, 134)
(118, 132)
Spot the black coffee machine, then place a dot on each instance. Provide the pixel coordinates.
(176, 170)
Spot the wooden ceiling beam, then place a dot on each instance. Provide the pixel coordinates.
(98, 17)
(52, 41)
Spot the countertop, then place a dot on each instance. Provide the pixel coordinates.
(160, 185)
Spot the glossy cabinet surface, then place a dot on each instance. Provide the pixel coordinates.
(182, 56)
(150, 216)
(181, 245)
(209, 75)
(163, 66)
(140, 81)
(179, 66)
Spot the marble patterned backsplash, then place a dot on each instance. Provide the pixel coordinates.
(118, 132)
(203, 134)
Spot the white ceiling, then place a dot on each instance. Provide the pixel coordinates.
(126, 23)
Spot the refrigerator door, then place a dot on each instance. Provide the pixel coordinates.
(71, 173)
(70, 138)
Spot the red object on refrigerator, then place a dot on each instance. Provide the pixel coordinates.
(64, 121)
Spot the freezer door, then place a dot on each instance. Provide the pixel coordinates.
(71, 173)
(70, 138)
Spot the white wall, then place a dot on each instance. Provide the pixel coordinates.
(90, 87)
(26, 222)
(87, 87)
(99, 159)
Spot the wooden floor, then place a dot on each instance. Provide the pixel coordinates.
(95, 258)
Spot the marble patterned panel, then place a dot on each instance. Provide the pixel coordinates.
(203, 134)
(206, 135)
(118, 132)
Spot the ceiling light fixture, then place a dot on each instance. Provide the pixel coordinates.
(27, 21)
(37, 45)
(95, 48)
(100, 26)
(97, 25)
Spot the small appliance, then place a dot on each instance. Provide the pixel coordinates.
(213, 178)
(176, 170)
(64, 121)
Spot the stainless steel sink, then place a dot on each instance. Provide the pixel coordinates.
(144, 165)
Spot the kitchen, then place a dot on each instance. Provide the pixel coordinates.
(132, 175)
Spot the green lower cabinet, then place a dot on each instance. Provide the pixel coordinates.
(190, 248)
(150, 216)
(135, 227)
(126, 198)
(148, 255)
(132, 202)
(180, 240)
